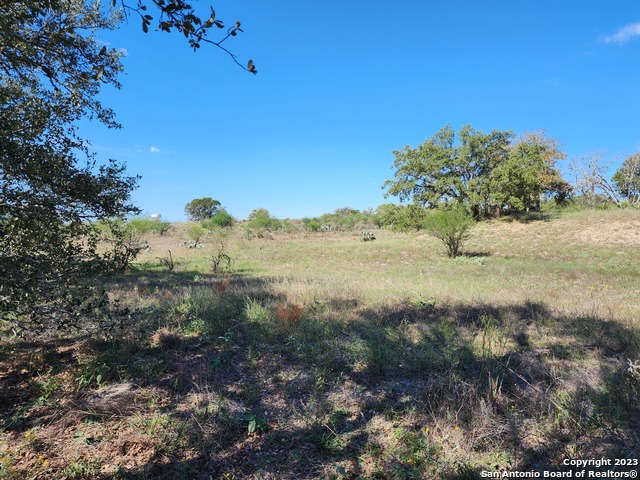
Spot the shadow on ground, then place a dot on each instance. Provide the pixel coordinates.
(343, 391)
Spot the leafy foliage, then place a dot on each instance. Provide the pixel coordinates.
(261, 219)
(180, 16)
(147, 225)
(627, 179)
(221, 219)
(124, 241)
(451, 227)
(201, 209)
(347, 218)
(342, 219)
(527, 174)
(311, 224)
(51, 190)
(485, 173)
(195, 233)
(401, 218)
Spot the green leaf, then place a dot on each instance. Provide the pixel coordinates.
(145, 27)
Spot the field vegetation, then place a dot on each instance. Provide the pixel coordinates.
(313, 354)
(478, 327)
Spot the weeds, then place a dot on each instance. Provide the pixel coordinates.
(167, 262)
(313, 361)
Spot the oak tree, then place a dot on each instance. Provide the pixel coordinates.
(486, 173)
(53, 194)
(51, 190)
(200, 209)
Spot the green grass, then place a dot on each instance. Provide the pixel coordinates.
(321, 356)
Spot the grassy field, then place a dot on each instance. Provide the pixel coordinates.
(321, 356)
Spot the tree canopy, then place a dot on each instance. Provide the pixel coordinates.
(200, 209)
(627, 179)
(51, 190)
(54, 197)
(487, 173)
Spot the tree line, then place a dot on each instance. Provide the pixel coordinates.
(498, 173)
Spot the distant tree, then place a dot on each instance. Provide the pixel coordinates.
(201, 209)
(592, 184)
(445, 171)
(484, 173)
(346, 211)
(347, 218)
(627, 179)
(387, 215)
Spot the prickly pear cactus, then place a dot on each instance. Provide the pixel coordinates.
(367, 236)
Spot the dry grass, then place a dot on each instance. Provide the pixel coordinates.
(320, 356)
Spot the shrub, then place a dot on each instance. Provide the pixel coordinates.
(261, 219)
(311, 224)
(160, 227)
(220, 258)
(451, 227)
(141, 225)
(124, 240)
(400, 218)
(222, 219)
(145, 225)
(196, 233)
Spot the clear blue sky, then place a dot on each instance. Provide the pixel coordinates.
(341, 84)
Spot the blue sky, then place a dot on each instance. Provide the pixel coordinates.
(342, 84)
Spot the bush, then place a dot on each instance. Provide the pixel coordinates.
(141, 225)
(160, 227)
(196, 233)
(124, 240)
(451, 227)
(144, 226)
(311, 224)
(261, 219)
(401, 218)
(220, 258)
(221, 219)
(347, 218)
